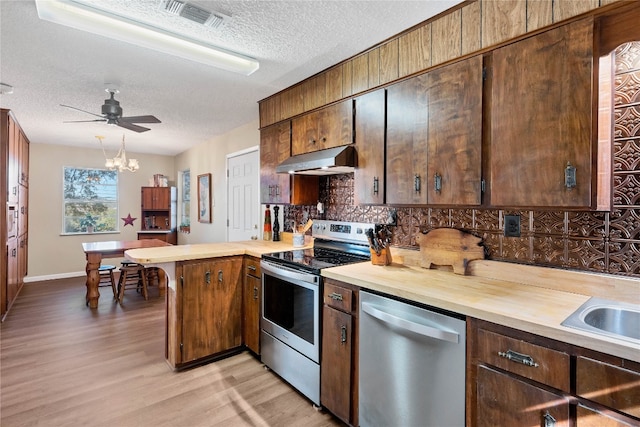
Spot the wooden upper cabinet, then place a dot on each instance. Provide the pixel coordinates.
(275, 147)
(326, 128)
(153, 198)
(369, 178)
(541, 120)
(314, 92)
(434, 137)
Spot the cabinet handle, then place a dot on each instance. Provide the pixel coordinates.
(343, 334)
(335, 296)
(437, 182)
(13, 252)
(22, 209)
(277, 190)
(549, 421)
(207, 277)
(15, 190)
(570, 176)
(375, 185)
(219, 276)
(416, 183)
(251, 268)
(255, 292)
(519, 358)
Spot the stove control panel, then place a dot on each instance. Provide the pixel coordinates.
(353, 232)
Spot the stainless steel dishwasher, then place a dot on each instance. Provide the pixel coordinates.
(412, 365)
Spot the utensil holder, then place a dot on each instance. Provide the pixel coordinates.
(298, 240)
(383, 259)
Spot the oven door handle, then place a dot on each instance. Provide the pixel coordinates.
(285, 272)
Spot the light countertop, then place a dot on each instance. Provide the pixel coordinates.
(529, 298)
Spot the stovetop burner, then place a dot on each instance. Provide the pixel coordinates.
(312, 260)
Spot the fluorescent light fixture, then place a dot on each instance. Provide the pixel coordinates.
(86, 18)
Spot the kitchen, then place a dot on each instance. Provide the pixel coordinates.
(506, 252)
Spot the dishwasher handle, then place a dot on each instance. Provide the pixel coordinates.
(427, 331)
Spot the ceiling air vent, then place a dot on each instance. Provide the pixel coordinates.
(195, 13)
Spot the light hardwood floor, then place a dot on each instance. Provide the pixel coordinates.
(63, 364)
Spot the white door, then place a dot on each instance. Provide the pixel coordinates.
(243, 189)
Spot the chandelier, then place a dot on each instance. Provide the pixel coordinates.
(120, 161)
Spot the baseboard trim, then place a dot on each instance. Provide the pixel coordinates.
(30, 279)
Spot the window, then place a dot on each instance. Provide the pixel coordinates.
(90, 200)
(185, 202)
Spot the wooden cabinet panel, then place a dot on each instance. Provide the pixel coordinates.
(434, 140)
(506, 401)
(360, 73)
(292, 101)
(159, 213)
(446, 33)
(211, 307)
(414, 51)
(503, 20)
(13, 161)
(251, 298)
(374, 67)
(338, 297)
(369, 175)
(13, 268)
(333, 81)
(552, 367)
(539, 14)
(587, 417)
(389, 61)
(275, 147)
(23, 159)
(156, 197)
(314, 92)
(471, 30)
(531, 150)
(335, 379)
(326, 128)
(564, 9)
(347, 78)
(609, 385)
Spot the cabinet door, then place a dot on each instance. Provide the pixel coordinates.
(335, 377)
(506, 401)
(326, 128)
(541, 119)
(275, 147)
(407, 135)
(369, 178)
(13, 269)
(587, 417)
(13, 162)
(251, 305)
(211, 300)
(455, 134)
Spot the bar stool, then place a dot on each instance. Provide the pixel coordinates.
(107, 278)
(132, 274)
(153, 278)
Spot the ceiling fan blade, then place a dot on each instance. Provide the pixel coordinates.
(141, 119)
(78, 109)
(125, 124)
(84, 121)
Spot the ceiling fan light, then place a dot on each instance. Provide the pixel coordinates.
(133, 165)
(109, 164)
(97, 21)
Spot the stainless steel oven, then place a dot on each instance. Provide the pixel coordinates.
(292, 301)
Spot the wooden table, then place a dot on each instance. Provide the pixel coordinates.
(95, 251)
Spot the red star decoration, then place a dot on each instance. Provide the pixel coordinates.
(128, 220)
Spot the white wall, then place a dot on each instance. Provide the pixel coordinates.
(50, 253)
(210, 157)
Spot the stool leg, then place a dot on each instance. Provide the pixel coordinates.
(113, 285)
(144, 285)
(121, 284)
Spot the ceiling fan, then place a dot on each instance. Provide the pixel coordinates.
(112, 115)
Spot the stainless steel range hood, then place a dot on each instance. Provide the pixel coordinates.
(324, 162)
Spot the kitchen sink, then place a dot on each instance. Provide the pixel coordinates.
(614, 319)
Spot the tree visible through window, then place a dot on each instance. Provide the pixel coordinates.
(90, 200)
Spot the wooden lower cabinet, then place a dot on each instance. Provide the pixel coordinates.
(518, 378)
(251, 300)
(339, 362)
(169, 237)
(204, 311)
(504, 400)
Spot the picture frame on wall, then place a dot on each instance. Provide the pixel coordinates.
(204, 198)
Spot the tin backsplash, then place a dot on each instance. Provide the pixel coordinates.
(607, 242)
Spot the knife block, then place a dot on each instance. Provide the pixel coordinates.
(383, 259)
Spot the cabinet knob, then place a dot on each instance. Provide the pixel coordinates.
(220, 276)
(207, 277)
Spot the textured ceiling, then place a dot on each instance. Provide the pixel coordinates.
(49, 64)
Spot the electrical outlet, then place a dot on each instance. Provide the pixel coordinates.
(512, 225)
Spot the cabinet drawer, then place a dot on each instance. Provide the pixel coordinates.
(609, 385)
(338, 297)
(252, 267)
(541, 364)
